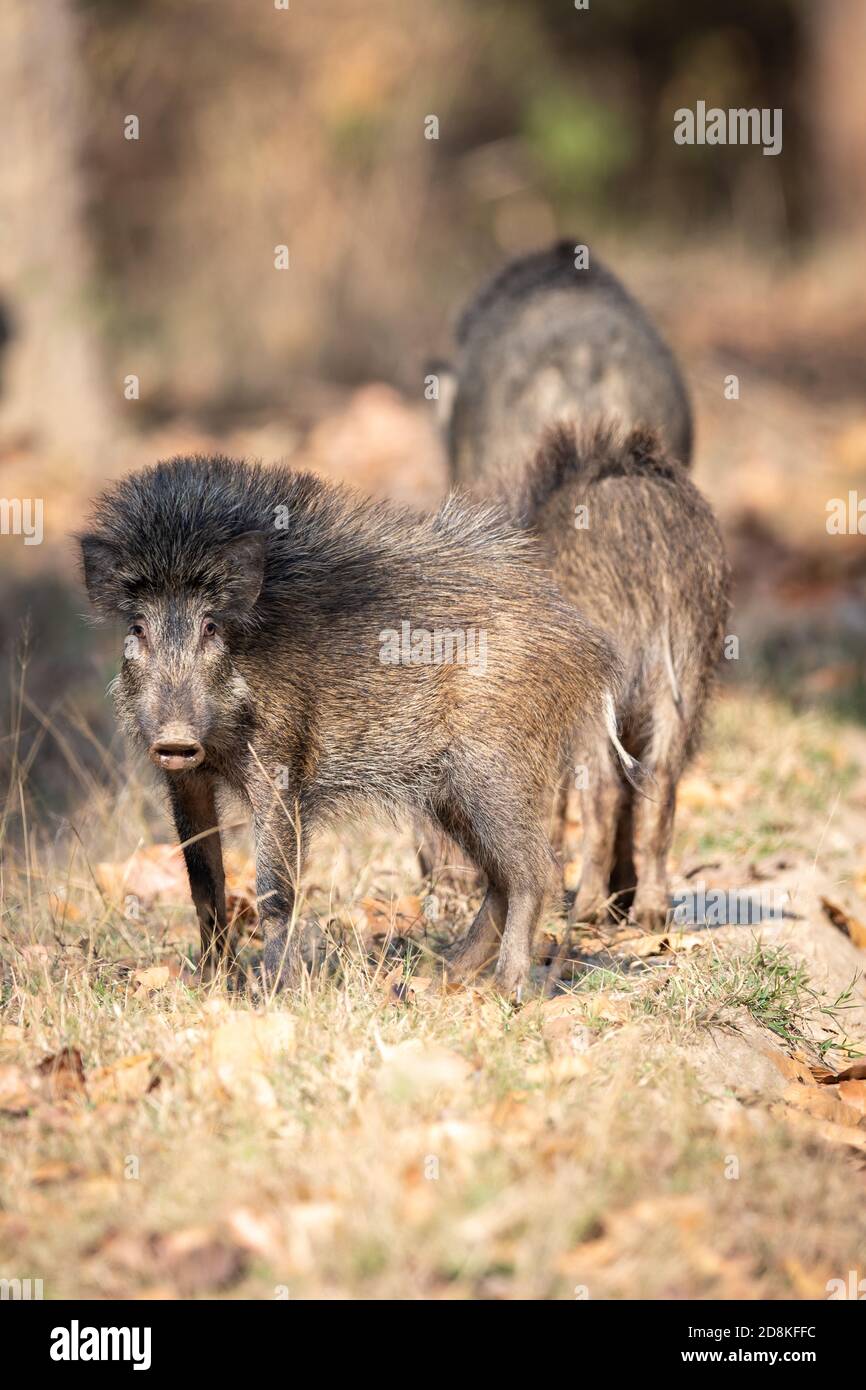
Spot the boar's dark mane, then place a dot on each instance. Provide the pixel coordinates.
(336, 551)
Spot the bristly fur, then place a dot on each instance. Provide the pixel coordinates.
(589, 455)
(523, 277)
(325, 545)
(295, 679)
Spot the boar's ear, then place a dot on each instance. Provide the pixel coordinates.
(244, 562)
(101, 562)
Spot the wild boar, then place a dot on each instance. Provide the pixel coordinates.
(310, 650)
(632, 541)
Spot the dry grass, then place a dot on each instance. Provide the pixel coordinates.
(625, 1140)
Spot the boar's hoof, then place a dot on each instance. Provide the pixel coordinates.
(650, 918)
(588, 910)
(510, 982)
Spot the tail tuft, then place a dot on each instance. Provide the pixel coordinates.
(631, 768)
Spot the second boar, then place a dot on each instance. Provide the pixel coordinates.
(635, 545)
(546, 342)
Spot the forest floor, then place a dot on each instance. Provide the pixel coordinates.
(661, 1127)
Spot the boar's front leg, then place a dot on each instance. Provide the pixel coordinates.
(195, 815)
(277, 868)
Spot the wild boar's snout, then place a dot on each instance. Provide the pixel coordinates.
(176, 749)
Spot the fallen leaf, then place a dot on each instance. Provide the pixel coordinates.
(643, 946)
(149, 981)
(197, 1260)
(128, 1079)
(699, 794)
(400, 990)
(845, 921)
(154, 873)
(825, 1105)
(56, 1171)
(238, 1051)
(856, 1072)
(63, 1072)
(606, 1006)
(413, 1067)
(854, 1094)
(16, 1093)
(63, 909)
(563, 1066)
(790, 1067)
(852, 1138)
(658, 943)
(375, 920)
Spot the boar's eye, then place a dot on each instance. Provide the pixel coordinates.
(136, 640)
(208, 628)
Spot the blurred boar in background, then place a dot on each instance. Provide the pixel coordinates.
(312, 650)
(635, 546)
(548, 342)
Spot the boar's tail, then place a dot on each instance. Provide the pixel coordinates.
(628, 762)
(631, 768)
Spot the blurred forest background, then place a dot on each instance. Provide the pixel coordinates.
(305, 126)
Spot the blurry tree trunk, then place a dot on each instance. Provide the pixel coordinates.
(53, 388)
(837, 49)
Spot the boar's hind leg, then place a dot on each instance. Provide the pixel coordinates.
(195, 816)
(623, 876)
(524, 909)
(480, 947)
(653, 832)
(663, 760)
(602, 803)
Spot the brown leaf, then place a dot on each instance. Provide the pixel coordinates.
(64, 1074)
(63, 909)
(856, 1072)
(790, 1067)
(400, 990)
(154, 978)
(656, 944)
(16, 1093)
(824, 1105)
(56, 1171)
(850, 1136)
(413, 1067)
(374, 918)
(643, 946)
(854, 1094)
(128, 1079)
(845, 921)
(154, 873)
(236, 1054)
(197, 1260)
(698, 794)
